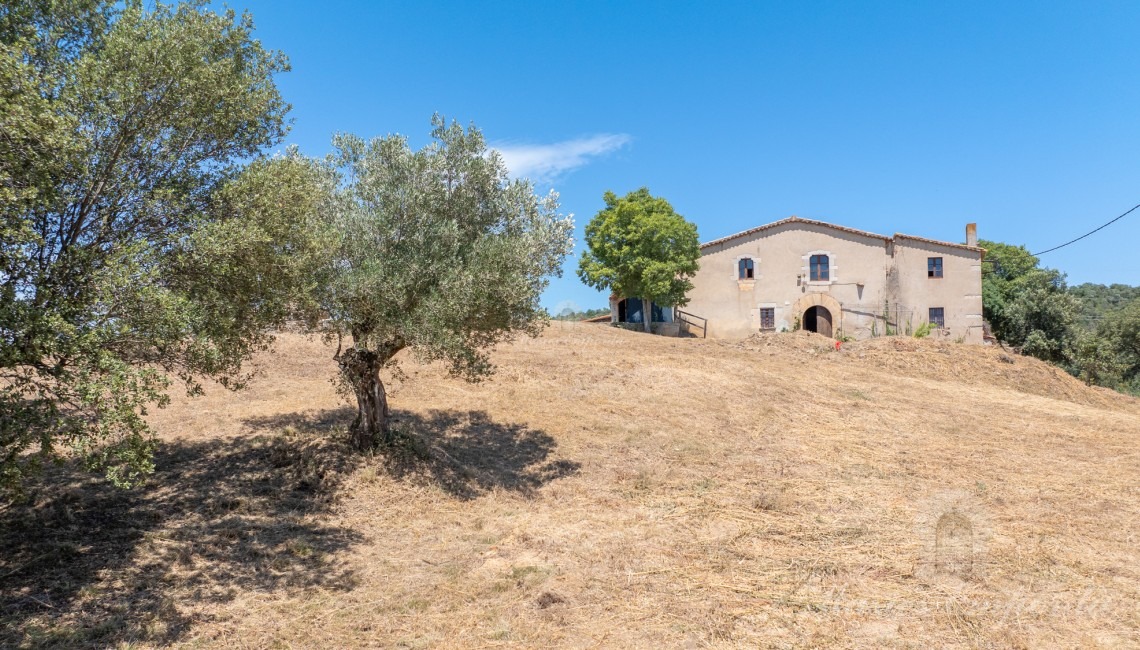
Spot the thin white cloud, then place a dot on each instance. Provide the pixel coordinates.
(546, 162)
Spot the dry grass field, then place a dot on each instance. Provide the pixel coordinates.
(608, 489)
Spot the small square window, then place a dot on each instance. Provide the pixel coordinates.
(938, 316)
(934, 267)
(767, 318)
(746, 269)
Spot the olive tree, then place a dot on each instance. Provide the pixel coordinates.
(639, 246)
(136, 244)
(437, 251)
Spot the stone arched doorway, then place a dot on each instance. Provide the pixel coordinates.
(817, 319)
(819, 312)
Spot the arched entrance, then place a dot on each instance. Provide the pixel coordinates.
(817, 319)
(826, 320)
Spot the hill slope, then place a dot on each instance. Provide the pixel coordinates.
(612, 489)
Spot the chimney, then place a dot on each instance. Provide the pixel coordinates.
(971, 234)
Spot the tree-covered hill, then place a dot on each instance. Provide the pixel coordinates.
(1098, 300)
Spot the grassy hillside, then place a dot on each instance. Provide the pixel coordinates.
(612, 489)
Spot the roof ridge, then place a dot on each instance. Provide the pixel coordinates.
(938, 241)
(795, 219)
(828, 224)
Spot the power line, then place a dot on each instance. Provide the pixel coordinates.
(1087, 233)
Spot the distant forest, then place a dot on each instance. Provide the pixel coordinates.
(1098, 300)
(570, 314)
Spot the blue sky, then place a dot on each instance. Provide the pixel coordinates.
(913, 117)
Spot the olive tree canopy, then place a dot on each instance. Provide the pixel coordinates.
(131, 227)
(437, 251)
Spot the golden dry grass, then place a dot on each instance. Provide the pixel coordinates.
(612, 489)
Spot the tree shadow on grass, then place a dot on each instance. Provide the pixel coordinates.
(465, 453)
(83, 564)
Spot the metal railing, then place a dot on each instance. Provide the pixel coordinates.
(689, 322)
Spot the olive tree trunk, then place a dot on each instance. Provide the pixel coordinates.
(361, 369)
(647, 314)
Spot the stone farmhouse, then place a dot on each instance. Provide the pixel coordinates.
(837, 281)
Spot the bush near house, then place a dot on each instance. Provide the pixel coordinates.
(1089, 330)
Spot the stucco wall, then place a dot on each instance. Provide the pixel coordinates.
(781, 255)
(958, 291)
(868, 276)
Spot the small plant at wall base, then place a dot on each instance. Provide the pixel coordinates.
(638, 246)
(887, 319)
(924, 330)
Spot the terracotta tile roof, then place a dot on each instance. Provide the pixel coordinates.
(794, 220)
(825, 224)
(899, 235)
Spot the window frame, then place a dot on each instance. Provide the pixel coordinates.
(823, 264)
(934, 268)
(771, 311)
(745, 269)
(939, 322)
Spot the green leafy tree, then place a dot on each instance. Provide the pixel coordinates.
(1095, 359)
(437, 251)
(639, 246)
(1028, 306)
(130, 226)
(1042, 317)
(1122, 330)
(1093, 331)
(1005, 265)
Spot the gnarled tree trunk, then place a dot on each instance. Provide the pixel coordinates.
(361, 368)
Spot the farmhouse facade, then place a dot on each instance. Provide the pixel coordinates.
(841, 282)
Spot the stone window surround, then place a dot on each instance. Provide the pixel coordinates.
(775, 314)
(832, 269)
(755, 269)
